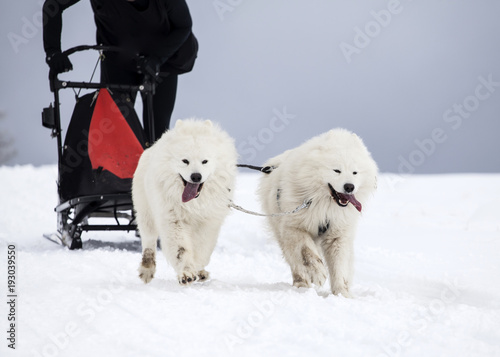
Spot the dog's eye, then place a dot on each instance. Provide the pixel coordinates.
(185, 161)
(204, 162)
(355, 173)
(337, 171)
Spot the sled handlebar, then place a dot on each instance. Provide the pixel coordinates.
(81, 48)
(56, 84)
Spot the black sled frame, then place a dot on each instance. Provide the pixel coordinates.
(73, 214)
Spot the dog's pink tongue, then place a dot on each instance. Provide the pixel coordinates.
(190, 191)
(351, 199)
(355, 202)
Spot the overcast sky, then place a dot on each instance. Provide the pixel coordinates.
(419, 81)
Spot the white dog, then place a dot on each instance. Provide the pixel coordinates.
(181, 190)
(335, 174)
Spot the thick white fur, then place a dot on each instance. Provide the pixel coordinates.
(188, 231)
(302, 174)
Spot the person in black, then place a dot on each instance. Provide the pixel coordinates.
(155, 36)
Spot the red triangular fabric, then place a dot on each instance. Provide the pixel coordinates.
(112, 143)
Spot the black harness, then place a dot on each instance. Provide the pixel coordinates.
(265, 169)
(323, 228)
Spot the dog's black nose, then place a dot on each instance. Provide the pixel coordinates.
(196, 177)
(349, 187)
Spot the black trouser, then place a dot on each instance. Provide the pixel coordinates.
(163, 99)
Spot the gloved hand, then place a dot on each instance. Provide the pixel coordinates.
(149, 65)
(58, 63)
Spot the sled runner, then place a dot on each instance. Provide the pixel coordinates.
(99, 155)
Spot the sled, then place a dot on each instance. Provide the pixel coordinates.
(98, 156)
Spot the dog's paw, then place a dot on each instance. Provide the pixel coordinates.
(319, 275)
(315, 271)
(147, 268)
(203, 275)
(146, 274)
(305, 276)
(187, 277)
(344, 292)
(342, 288)
(300, 281)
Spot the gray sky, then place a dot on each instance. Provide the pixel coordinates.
(419, 81)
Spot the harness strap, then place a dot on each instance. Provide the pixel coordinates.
(304, 205)
(268, 170)
(265, 169)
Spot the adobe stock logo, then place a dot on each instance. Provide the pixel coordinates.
(424, 317)
(29, 29)
(224, 6)
(254, 143)
(454, 116)
(371, 30)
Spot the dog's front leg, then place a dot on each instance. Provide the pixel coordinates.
(177, 247)
(338, 253)
(301, 253)
(205, 238)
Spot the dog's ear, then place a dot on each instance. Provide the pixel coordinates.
(208, 123)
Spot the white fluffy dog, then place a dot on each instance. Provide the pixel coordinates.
(335, 173)
(181, 190)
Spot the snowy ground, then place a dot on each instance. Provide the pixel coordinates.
(426, 284)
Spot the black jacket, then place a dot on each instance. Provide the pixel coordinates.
(144, 27)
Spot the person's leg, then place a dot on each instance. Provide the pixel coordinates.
(113, 71)
(163, 104)
(163, 100)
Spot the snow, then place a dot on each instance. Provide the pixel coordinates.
(426, 282)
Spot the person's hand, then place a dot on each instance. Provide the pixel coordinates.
(148, 65)
(58, 63)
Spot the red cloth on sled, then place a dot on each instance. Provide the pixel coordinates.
(113, 146)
